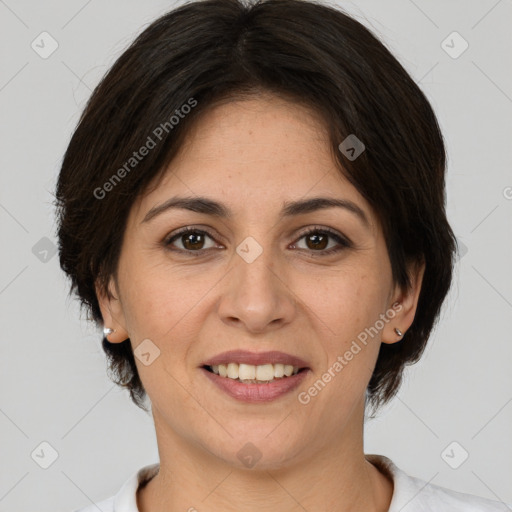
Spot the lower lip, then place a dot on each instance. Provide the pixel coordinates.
(254, 393)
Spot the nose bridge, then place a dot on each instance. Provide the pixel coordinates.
(258, 245)
(257, 295)
(257, 266)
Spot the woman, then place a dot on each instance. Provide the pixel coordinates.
(252, 205)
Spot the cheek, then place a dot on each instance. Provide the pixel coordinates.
(346, 301)
(148, 299)
(349, 307)
(351, 348)
(162, 303)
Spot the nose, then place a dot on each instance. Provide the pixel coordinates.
(257, 297)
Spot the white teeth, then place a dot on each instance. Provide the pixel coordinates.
(248, 372)
(233, 371)
(245, 372)
(264, 372)
(279, 370)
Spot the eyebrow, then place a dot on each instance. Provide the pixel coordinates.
(290, 208)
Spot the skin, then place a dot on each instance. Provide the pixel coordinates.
(254, 155)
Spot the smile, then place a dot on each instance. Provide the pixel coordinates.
(252, 374)
(253, 390)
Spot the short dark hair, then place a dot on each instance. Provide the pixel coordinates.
(312, 54)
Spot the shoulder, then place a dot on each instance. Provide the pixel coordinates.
(412, 494)
(433, 497)
(126, 498)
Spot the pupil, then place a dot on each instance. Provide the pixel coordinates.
(316, 237)
(193, 244)
(318, 241)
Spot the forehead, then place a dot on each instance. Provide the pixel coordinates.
(254, 154)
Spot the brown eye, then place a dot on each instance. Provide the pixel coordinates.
(191, 240)
(317, 241)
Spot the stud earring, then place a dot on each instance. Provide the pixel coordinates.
(398, 331)
(108, 330)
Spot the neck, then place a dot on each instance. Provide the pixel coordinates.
(334, 477)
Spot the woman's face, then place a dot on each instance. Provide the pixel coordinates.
(255, 281)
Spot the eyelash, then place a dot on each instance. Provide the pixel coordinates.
(344, 243)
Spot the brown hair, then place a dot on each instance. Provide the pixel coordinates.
(211, 50)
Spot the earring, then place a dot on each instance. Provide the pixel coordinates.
(108, 330)
(398, 331)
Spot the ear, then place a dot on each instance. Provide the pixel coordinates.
(112, 312)
(406, 309)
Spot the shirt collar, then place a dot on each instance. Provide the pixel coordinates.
(404, 486)
(126, 499)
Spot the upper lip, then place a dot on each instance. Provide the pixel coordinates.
(256, 358)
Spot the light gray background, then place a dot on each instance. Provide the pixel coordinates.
(54, 386)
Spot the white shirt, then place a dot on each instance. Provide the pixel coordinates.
(410, 494)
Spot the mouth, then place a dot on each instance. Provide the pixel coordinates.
(255, 384)
(254, 374)
(255, 367)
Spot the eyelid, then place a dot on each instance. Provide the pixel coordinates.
(190, 229)
(332, 232)
(343, 241)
